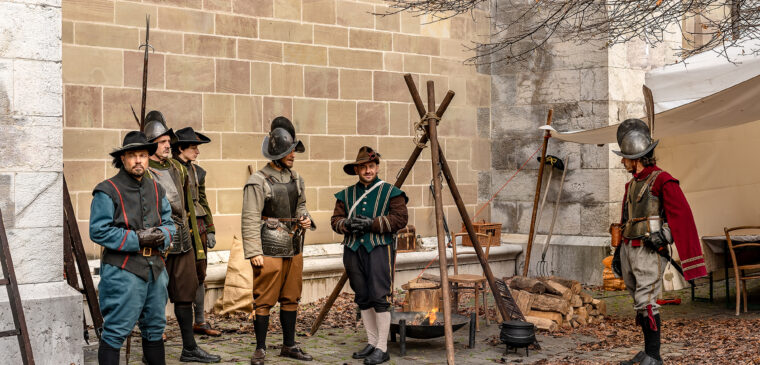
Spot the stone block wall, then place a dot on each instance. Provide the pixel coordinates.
(228, 67)
(588, 86)
(31, 146)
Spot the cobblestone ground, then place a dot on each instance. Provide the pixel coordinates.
(334, 346)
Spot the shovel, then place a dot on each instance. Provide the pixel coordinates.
(555, 162)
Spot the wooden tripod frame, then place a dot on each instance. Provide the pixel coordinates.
(440, 165)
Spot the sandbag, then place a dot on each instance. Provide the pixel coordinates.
(237, 296)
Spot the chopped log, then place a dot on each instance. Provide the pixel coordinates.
(581, 321)
(594, 312)
(528, 284)
(589, 308)
(601, 307)
(523, 299)
(574, 323)
(582, 314)
(576, 301)
(586, 297)
(591, 320)
(558, 289)
(542, 323)
(550, 303)
(569, 315)
(595, 301)
(573, 285)
(554, 316)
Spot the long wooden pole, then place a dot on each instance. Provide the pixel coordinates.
(531, 234)
(473, 237)
(399, 182)
(435, 156)
(14, 299)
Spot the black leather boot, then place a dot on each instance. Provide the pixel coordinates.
(153, 352)
(107, 355)
(652, 337)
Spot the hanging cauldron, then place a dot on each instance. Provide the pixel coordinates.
(518, 334)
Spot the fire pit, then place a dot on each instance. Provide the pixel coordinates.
(426, 325)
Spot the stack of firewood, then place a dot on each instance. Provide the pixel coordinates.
(554, 302)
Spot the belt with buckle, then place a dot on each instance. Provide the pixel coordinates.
(149, 251)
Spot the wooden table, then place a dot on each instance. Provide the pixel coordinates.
(719, 245)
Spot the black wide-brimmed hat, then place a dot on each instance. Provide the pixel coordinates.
(188, 136)
(135, 141)
(281, 140)
(155, 126)
(366, 154)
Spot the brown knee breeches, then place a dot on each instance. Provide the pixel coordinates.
(278, 280)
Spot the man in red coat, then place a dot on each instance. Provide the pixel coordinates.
(655, 215)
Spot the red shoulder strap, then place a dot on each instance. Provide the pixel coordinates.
(123, 211)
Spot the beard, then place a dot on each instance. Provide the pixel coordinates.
(136, 171)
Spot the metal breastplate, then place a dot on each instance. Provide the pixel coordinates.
(641, 208)
(279, 233)
(169, 180)
(192, 184)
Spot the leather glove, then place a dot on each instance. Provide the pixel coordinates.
(363, 223)
(210, 240)
(659, 240)
(358, 224)
(616, 263)
(151, 237)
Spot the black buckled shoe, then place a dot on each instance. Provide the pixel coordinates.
(636, 359)
(366, 351)
(376, 357)
(258, 357)
(294, 352)
(648, 360)
(198, 355)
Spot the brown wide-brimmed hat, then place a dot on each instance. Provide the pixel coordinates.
(366, 154)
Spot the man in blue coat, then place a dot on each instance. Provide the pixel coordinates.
(368, 214)
(131, 218)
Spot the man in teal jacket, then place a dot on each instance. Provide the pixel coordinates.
(131, 218)
(368, 214)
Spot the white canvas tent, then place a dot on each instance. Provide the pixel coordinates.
(706, 108)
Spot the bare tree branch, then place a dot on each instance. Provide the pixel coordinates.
(519, 28)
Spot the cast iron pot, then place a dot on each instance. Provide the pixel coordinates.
(517, 333)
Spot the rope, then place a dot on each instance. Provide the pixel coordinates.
(505, 184)
(419, 128)
(486, 204)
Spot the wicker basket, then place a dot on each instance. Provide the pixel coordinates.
(491, 229)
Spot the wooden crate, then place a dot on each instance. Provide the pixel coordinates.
(492, 229)
(406, 239)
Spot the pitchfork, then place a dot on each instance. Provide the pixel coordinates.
(555, 162)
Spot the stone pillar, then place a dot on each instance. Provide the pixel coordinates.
(31, 181)
(588, 86)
